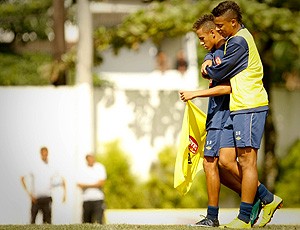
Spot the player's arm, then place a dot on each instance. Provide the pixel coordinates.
(234, 61)
(206, 63)
(218, 90)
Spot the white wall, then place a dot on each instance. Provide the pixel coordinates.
(286, 111)
(144, 120)
(32, 117)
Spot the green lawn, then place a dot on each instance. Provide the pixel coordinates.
(126, 227)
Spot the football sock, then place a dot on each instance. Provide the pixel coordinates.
(256, 198)
(264, 194)
(212, 212)
(245, 212)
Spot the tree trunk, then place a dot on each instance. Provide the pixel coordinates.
(59, 46)
(270, 163)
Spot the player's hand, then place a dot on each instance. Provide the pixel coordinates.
(186, 95)
(205, 64)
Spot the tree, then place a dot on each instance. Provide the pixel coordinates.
(279, 56)
(24, 22)
(59, 43)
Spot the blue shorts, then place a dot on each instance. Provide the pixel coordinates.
(244, 130)
(212, 144)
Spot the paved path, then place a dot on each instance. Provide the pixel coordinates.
(188, 216)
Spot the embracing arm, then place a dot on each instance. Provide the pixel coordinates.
(234, 61)
(206, 63)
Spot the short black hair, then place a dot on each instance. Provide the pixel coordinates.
(207, 21)
(228, 7)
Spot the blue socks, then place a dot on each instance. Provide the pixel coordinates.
(245, 212)
(264, 194)
(212, 212)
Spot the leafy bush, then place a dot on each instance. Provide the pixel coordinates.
(289, 176)
(23, 69)
(160, 187)
(123, 190)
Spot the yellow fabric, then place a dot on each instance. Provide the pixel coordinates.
(189, 159)
(247, 86)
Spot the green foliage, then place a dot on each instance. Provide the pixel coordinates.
(289, 176)
(122, 188)
(160, 187)
(156, 22)
(23, 69)
(277, 36)
(121, 227)
(23, 17)
(293, 5)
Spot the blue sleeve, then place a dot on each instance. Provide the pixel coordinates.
(234, 61)
(208, 56)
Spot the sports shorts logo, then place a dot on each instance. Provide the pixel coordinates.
(193, 146)
(238, 135)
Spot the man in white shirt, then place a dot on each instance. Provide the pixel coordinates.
(91, 180)
(42, 178)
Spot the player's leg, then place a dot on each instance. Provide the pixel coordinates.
(248, 132)
(247, 160)
(210, 165)
(228, 166)
(230, 177)
(245, 169)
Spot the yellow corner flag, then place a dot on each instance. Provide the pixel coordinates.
(189, 159)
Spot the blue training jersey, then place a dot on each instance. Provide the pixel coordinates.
(218, 107)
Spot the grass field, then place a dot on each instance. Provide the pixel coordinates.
(127, 227)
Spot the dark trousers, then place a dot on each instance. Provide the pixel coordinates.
(93, 211)
(42, 204)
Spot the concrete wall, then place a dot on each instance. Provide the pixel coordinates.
(32, 117)
(286, 111)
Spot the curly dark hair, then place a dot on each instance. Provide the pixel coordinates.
(228, 7)
(206, 20)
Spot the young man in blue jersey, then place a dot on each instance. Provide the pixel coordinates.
(218, 113)
(248, 110)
